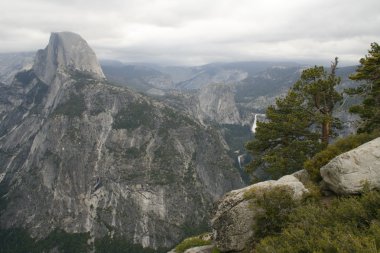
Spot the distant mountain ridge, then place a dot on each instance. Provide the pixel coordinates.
(189, 78)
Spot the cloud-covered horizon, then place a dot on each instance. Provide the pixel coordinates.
(194, 32)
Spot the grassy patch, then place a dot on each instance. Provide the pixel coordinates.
(215, 250)
(191, 242)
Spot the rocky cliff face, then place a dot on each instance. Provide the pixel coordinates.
(217, 103)
(66, 50)
(79, 154)
(212, 104)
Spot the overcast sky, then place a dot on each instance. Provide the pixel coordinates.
(194, 32)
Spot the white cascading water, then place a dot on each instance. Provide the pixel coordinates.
(240, 161)
(253, 129)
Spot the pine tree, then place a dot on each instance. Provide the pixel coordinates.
(298, 126)
(318, 88)
(369, 73)
(285, 141)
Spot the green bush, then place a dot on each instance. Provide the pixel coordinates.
(276, 205)
(191, 242)
(314, 192)
(346, 224)
(314, 164)
(215, 250)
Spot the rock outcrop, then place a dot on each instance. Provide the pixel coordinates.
(348, 172)
(66, 50)
(213, 104)
(200, 249)
(217, 103)
(234, 218)
(81, 155)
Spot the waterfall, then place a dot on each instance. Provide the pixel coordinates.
(254, 125)
(240, 161)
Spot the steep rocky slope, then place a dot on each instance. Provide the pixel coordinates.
(217, 103)
(212, 104)
(84, 156)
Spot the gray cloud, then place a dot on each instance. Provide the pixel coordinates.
(198, 31)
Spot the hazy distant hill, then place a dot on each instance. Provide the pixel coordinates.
(144, 77)
(11, 63)
(138, 77)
